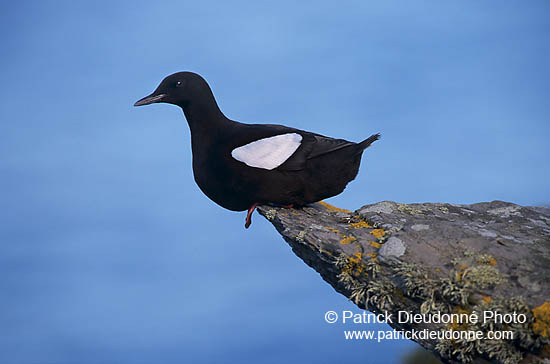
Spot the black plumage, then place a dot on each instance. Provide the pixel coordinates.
(319, 168)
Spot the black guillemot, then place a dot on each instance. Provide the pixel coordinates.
(240, 166)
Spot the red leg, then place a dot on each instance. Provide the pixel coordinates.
(249, 214)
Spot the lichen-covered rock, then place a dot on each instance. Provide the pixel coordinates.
(435, 257)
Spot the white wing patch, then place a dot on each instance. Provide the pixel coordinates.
(268, 153)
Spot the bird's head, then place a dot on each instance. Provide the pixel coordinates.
(178, 89)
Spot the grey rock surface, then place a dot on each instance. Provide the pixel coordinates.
(435, 257)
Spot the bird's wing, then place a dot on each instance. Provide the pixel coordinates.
(282, 148)
(269, 152)
(312, 146)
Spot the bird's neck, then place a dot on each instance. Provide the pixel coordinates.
(204, 116)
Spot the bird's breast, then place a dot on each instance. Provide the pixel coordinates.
(220, 180)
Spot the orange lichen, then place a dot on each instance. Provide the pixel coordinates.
(456, 324)
(355, 266)
(486, 299)
(374, 244)
(378, 233)
(347, 239)
(492, 261)
(360, 225)
(333, 208)
(356, 258)
(541, 326)
(463, 266)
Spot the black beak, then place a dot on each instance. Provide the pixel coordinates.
(151, 99)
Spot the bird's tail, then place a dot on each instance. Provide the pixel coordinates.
(367, 142)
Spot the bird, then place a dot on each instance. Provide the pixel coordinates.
(240, 166)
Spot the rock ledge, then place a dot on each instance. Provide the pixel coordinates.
(436, 257)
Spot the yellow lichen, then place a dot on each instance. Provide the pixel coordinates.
(371, 255)
(300, 237)
(411, 210)
(347, 239)
(486, 259)
(541, 326)
(463, 266)
(270, 214)
(483, 276)
(332, 229)
(374, 244)
(378, 233)
(333, 208)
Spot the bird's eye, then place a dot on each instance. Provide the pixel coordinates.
(178, 84)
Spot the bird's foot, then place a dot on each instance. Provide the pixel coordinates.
(253, 207)
(249, 215)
